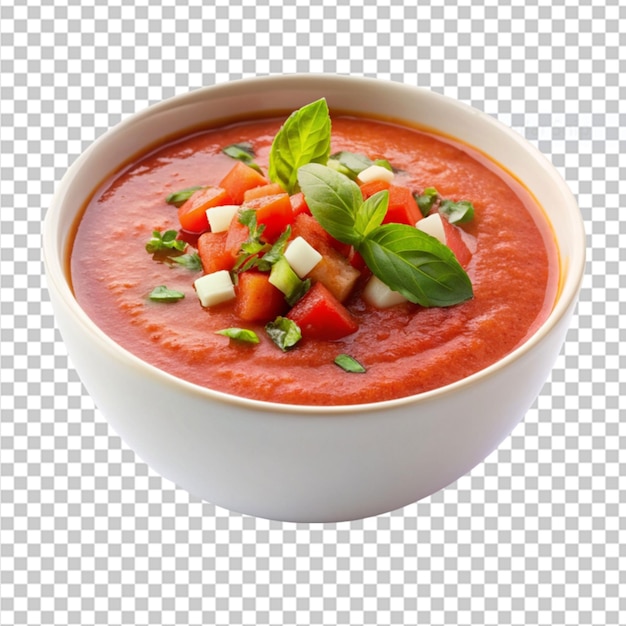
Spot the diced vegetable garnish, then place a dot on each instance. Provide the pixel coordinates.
(433, 226)
(239, 179)
(302, 256)
(287, 281)
(375, 172)
(257, 299)
(192, 214)
(298, 204)
(402, 207)
(321, 316)
(273, 213)
(270, 189)
(220, 217)
(456, 243)
(215, 288)
(213, 252)
(381, 296)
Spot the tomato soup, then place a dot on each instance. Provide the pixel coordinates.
(405, 349)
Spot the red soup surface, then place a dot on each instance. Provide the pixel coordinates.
(406, 349)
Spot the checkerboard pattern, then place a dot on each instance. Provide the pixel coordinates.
(90, 535)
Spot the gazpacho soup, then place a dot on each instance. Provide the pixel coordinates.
(315, 259)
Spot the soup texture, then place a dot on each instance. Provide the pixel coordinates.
(508, 254)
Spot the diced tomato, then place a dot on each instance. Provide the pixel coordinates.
(264, 190)
(236, 234)
(454, 241)
(257, 299)
(305, 225)
(274, 212)
(213, 254)
(192, 213)
(321, 316)
(356, 260)
(239, 179)
(402, 206)
(298, 204)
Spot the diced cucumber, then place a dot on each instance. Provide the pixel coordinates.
(433, 226)
(375, 172)
(379, 295)
(215, 288)
(220, 217)
(302, 256)
(283, 277)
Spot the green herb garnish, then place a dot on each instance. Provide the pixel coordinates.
(353, 163)
(285, 333)
(163, 294)
(242, 152)
(426, 200)
(349, 364)
(303, 138)
(165, 242)
(239, 334)
(180, 197)
(190, 261)
(407, 260)
(457, 212)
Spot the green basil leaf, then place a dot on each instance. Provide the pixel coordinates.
(372, 212)
(349, 364)
(180, 197)
(242, 152)
(426, 200)
(163, 294)
(239, 334)
(349, 163)
(303, 138)
(333, 199)
(417, 265)
(457, 212)
(190, 261)
(285, 333)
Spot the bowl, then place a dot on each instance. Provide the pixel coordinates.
(310, 463)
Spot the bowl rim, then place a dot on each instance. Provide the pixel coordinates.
(56, 274)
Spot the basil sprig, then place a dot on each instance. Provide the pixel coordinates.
(303, 138)
(407, 260)
(243, 152)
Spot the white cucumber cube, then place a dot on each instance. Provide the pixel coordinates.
(302, 256)
(220, 217)
(381, 296)
(375, 172)
(214, 288)
(433, 226)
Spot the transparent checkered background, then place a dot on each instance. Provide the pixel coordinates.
(89, 535)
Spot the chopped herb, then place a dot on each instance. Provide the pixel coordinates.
(285, 333)
(303, 138)
(243, 152)
(190, 261)
(180, 197)
(349, 364)
(164, 242)
(239, 334)
(351, 164)
(426, 200)
(163, 294)
(407, 260)
(457, 212)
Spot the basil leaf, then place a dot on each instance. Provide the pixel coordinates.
(163, 294)
(190, 261)
(242, 152)
(285, 333)
(426, 200)
(166, 241)
(239, 334)
(457, 212)
(303, 138)
(349, 163)
(349, 364)
(180, 197)
(333, 199)
(372, 212)
(421, 268)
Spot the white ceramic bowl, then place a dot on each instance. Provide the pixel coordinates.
(304, 463)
